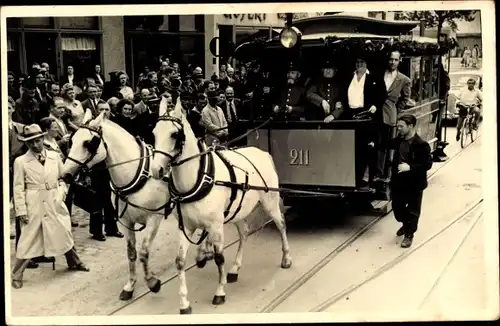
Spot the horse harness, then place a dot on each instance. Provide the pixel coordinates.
(141, 177)
(205, 179)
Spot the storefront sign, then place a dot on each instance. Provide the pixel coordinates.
(252, 19)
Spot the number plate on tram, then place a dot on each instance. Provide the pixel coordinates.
(310, 157)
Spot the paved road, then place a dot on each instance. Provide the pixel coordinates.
(261, 279)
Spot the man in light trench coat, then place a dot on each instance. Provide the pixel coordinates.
(39, 204)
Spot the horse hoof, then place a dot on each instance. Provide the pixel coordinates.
(285, 264)
(156, 287)
(219, 299)
(232, 278)
(186, 311)
(126, 295)
(201, 263)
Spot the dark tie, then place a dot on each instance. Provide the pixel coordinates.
(41, 159)
(231, 110)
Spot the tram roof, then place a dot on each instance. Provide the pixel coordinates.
(353, 24)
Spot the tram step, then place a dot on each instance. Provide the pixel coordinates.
(382, 206)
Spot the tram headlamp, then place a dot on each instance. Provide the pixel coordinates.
(290, 36)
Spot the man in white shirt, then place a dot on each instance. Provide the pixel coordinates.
(468, 96)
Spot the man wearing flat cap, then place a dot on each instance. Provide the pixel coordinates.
(39, 204)
(290, 101)
(325, 93)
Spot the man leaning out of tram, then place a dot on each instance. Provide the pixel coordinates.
(363, 91)
(291, 101)
(324, 93)
(467, 97)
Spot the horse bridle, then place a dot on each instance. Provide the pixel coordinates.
(91, 146)
(181, 138)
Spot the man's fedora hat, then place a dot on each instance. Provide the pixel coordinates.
(31, 132)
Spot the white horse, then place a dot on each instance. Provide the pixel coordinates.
(204, 200)
(141, 198)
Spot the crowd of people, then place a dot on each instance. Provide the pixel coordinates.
(55, 108)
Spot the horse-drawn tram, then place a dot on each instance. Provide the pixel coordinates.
(319, 158)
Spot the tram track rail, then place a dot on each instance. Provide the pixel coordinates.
(297, 284)
(335, 252)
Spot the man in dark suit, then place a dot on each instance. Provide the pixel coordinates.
(92, 100)
(27, 108)
(98, 76)
(412, 160)
(231, 107)
(398, 88)
(325, 94)
(290, 102)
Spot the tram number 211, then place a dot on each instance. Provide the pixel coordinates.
(299, 157)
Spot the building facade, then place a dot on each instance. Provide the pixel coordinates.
(114, 42)
(128, 43)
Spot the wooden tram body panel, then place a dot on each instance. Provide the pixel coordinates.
(310, 156)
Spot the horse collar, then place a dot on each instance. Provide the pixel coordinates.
(204, 182)
(142, 174)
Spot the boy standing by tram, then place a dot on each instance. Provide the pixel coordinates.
(412, 160)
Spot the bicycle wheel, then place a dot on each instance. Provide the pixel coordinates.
(464, 134)
(474, 132)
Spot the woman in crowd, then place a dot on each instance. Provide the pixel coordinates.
(50, 142)
(75, 111)
(124, 90)
(129, 119)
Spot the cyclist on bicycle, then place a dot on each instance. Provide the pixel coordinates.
(469, 97)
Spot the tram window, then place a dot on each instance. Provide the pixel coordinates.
(415, 78)
(435, 81)
(427, 79)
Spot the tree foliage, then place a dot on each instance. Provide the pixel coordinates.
(436, 18)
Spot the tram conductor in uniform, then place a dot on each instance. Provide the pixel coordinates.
(290, 101)
(325, 94)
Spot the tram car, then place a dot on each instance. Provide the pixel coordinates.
(318, 158)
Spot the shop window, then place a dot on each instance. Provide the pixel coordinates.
(192, 51)
(13, 22)
(13, 55)
(41, 47)
(187, 23)
(79, 23)
(82, 53)
(38, 22)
